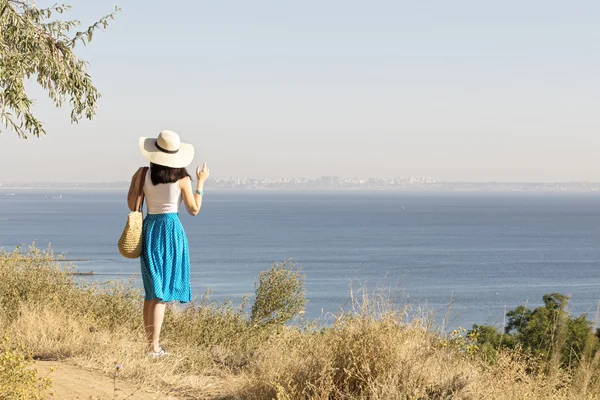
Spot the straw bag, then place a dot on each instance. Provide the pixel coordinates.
(130, 243)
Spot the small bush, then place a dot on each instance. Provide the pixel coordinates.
(18, 381)
(280, 295)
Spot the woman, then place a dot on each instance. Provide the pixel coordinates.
(165, 255)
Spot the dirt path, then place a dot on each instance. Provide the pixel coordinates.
(71, 383)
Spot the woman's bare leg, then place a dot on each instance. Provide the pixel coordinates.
(148, 308)
(157, 315)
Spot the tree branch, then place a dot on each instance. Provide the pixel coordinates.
(32, 45)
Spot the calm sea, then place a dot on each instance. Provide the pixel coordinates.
(484, 251)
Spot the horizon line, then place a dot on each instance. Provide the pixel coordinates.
(437, 182)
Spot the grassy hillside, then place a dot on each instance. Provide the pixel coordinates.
(372, 351)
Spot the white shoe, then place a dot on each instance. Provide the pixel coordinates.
(158, 354)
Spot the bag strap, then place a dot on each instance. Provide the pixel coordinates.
(139, 203)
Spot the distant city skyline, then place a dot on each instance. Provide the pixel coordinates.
(460, 91)
(302, 179)
(325, 181)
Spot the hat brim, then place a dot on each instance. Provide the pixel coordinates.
(181, 159)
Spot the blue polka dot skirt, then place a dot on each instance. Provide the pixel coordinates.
(165, 259)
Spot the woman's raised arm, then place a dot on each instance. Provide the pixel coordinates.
(193, 200)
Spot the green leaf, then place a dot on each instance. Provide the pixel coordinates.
(34, 44)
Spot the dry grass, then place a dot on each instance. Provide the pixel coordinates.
(373, 351)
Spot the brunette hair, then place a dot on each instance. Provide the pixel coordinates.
(163, 174)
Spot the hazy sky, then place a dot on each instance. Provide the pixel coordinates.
(456, 90)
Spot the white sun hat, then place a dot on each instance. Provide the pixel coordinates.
(167, 150)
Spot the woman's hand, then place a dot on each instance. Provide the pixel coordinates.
(202, 174)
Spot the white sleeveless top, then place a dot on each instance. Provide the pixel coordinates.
(162, 198)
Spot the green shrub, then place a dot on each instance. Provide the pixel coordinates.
(18, 380)
(280, 295)
(549, 332)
